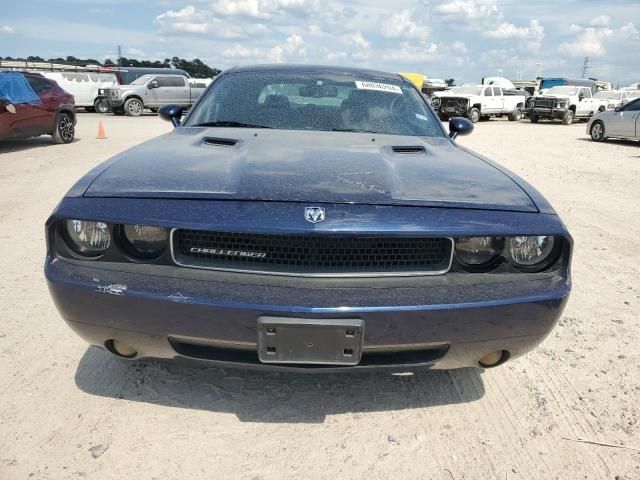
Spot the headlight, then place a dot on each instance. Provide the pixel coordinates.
(145, 241)
(530, 251)
(88, 238)
(476, 251)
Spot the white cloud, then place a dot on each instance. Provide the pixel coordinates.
(358, 40)
(459, 47)
(136, 52)
(468, 11)
(402, 25)
(250, 8)
(292, 49)
(191, 20)
(241, 53)
(411, 53)
(508, 30)
(592, 40)
(601, 21)
(7, 29)
(264, 8)
(530, 37)
(336, 56)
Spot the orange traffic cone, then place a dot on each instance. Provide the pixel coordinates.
(101, 134)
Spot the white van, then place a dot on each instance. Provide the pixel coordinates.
(85, 87)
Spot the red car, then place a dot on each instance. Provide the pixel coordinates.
(32, 105)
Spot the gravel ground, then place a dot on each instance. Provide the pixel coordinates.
(69, 411)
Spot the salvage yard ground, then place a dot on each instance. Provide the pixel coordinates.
(69, 411)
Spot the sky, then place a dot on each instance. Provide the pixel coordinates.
(461, 39)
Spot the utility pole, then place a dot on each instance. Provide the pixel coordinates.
(585, 67)
(538, 70)
(119, 55)
(518, 74)
(500, 72)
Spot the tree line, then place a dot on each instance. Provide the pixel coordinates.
(196, 68)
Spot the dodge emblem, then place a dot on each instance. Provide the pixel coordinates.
(314, 214)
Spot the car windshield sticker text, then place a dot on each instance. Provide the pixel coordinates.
(380, 87)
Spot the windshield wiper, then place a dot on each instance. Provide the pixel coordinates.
(229, 123)
(357, 130)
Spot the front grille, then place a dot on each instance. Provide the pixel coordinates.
(457, 103)
(545, 102)
(324, 255)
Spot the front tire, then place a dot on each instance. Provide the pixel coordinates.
(597, 131)
(534, 118)
(567, 119)
(65, 129)
(474, 115)
(516, 115)
(133, 107)
(101, 105)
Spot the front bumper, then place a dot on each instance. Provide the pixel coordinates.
(115, 102)
(438, 322)
(544, 112)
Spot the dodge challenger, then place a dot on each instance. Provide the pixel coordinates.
(308, 218)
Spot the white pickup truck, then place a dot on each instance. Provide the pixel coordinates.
(566, 102)
(479, 101)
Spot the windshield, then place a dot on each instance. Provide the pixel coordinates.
(563, 91)
(468, 90)
(315, 101)
(141, 80)
(607, 95)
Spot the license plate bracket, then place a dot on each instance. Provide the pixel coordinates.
(310, 341)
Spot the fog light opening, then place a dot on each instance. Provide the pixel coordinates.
(494, 359)
(121, 349)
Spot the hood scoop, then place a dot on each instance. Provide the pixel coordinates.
(409, 150)
(219, 142)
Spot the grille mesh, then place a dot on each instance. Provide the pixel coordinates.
(459, 103)
(545, 102)
(311, 254)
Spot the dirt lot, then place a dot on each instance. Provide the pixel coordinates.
(69, 411)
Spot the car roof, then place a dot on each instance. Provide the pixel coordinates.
(315, 69)
(32, 74)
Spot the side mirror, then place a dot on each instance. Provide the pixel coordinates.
(153, 84)
(618, 109)
(171, 113)
(8, 106)
(581, 97)
(459, 126)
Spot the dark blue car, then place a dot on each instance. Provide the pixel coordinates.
(309, 218)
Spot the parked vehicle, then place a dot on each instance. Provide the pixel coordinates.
(565, 103)
(623, 122)
(616, 98)
(479, 101)
(151, 91)
(32, 105)
(316, 218)
(86, 88)
(126, 75)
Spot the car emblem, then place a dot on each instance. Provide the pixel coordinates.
(314, 214)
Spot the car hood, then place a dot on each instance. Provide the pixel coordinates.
(554, 97)
(458, 95)
(304, 166)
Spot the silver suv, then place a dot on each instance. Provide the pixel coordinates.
(152, 92)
